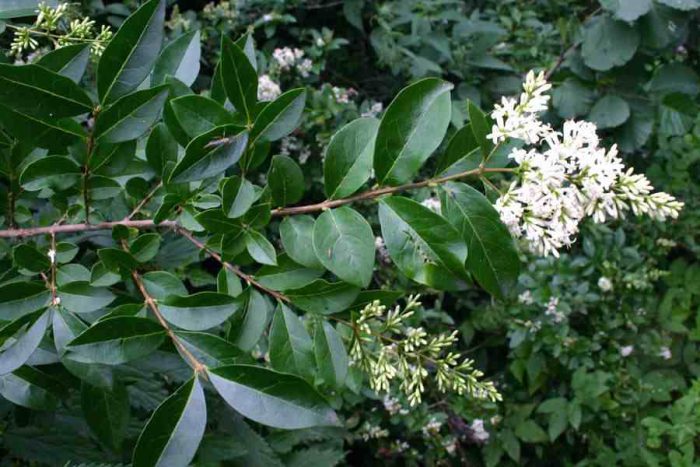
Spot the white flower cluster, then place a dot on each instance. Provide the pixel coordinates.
(565, 176)
(287, 59)
(293, 145)
(268, 90)
(374, 109)
(478, 432)
(343, 95)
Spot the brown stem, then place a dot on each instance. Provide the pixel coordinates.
(144, 201)
(53, 259)
(377, 192)
(198, 366)
(234, 269)
(84, 227)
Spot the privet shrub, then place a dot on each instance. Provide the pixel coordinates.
(187, 186)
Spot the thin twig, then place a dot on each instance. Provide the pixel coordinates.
(83, 227)
(145, 200)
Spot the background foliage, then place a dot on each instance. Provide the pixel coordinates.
(595, 353)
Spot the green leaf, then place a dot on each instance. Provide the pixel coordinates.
(286, 181)
(131, 116)
(81, 297)
(161, 284)
(117, 260)
(46, 132)
(31, 388)
(210, 154)
(215, 221)
(21, 298)
(211, 350)
(27, 257)
(18, 8)
(180, 59)
(173, 433)
(462, 145)
(106, 413)
(421, 243)
(69, 61)
(145, 247)
(20, 339)
(227, 282)
(280, 117)
(71, 273)
(192, 115)
(200, 311)
(290, 346)
(331, 355)
(240, 79)
(104, 188)
(248, 327)
(481, 127)
(274, 399)
(296, 233)
(608, 43)
(530, 432)
(627, 10)
(609, 112)
(349, 156)
(344, 243)
(238, 196)
(35, 91)
(286, 275)
(161, 150)
(130, 55)
(325, 298)
(675, 77)
(116, 340)
(260, 248)
(572, 99)
(684, 5)
(411, 129)
(493, 259)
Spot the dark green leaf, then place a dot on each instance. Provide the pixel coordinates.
(493, 259)
(173, 433)
(21, 298)
(18, 8)
(180, 59)
(210, 154)
(131, 116)
(344, 243)
(161, 150)
(275, 399)
(161, 284)
(200, 311)
(20, 339)
(106, 413)
(609, 112)
(193, 115)
(260, 248)
(238, 195)
(411, 129)
(286, 275)
(280, 117)
(227, 282)
(290, 346)
(481, 127)
(286, 181)
(608, 43)
(129, 57)
(27, 257)
(349, 155)
(239, 78)
(42, 132)
(249, 326)
(145, 247)
(55, 172)
(462, 145)
(81, 297)
(296, 233)
(331, 356)
(69, 61)
(31, 388)
(211, 350)
(325, 298)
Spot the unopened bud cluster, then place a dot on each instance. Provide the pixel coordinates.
(389, 350)
(564, 177)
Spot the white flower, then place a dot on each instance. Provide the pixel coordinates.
(478, 432)
(392, 405)
(286, 58)
(374, 110)
(432, 203)
(343, 95)
(431, 428)
(268, 90)
(626, 351)
(605, 284)
(665, 353)
(525, 298)
(565, 177)
(553, 312)
(52, 255)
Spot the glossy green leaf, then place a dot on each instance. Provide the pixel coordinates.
(280, 117)
(412, 127)
(27, 257)
(260, 248)
(81, 297)
(31, 388)
(18, 8)
(608, 43)
(200, 311)
(130, 55)
(116, 340)
(286, 274)
(227, 282)
(36, 91)
(131, 116)
(161, 284)
(275, 399)
(331, 356)
(173, 433)
(609, 111)
(493, 259)
(286, 181)
(296, 233)
(20, 339)
(240, 79)
(209, 349)
(349, 155)
(21, 298)
(106, 413)
(290, 346)
(215, 221)
(344, 243)
(180, 59)
(481, 127)
(117, 260)
(238, 195)
(101, 188)
(462, 153)
(627, 10)
(69, 61)
(44, 132)
(193, 115)
(325, 298)
(422, 244)
(210, 154)
(145, 247)
(161, 150)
